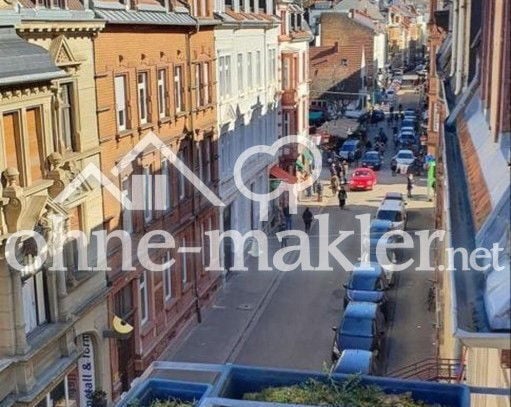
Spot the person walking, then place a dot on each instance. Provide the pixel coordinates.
(307, 217)
(334, 184)
(409, 185)
(345, 169)
(342, 195)
(287, 217)
(319, 191)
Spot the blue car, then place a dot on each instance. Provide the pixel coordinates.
(362, 327)
(373, 160)
(369, 284)
(378, 228)
(356, 361)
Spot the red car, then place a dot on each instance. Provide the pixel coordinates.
(362, 178)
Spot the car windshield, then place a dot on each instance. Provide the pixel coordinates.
(373, 155)
(405, 155)
(361, 174)
(363, 282)
(357, 327)
(348, 147)
(378, 229)
(388, 215)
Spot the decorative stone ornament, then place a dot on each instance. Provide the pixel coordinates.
(17, 200)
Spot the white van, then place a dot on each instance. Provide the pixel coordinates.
(394, 211)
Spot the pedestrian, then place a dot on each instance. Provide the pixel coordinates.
(393, 167)
(342, 195)
(391, 110)
(333, 169)
(409, 185)
(307, 217)
(346, 168)
(338, 170)
(319, 191)
(334, 184)
(287, 217)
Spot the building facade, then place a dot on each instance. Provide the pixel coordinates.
(294, 41)
(155, 77)
(469, 86)
(246, 47)
(53, 313)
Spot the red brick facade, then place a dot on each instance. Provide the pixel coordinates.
(160, 53)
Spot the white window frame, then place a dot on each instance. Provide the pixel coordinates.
(259, 78)
(148, 194)
(221, 76)
(228, 79)
(162, 93)
(184, 266)
(127, 219)
(240, 72)
(167, 278)
(142, 97)
(250, 71)
(120, 102)
(143, 293)
(198, 100)
(34, 301)
(165, 184)
(178, 88)
(205, 83)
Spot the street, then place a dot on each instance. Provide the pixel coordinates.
(285, 319)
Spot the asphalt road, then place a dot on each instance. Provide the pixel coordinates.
(285, 319)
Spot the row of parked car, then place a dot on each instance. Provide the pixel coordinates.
(359, 341)
(408, 141)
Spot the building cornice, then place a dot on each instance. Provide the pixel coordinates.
(90, 26)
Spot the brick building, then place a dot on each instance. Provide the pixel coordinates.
(52, 317)
(155, 70)
(345, 60)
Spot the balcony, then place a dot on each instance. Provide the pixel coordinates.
(289, 98)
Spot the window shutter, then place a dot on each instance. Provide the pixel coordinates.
(34, 142)
(12, 140)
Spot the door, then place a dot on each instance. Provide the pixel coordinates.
(126, 347)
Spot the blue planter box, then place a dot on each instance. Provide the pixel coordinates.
(240, 380)
(158, 389)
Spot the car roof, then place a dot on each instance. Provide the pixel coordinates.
(394, 195)
(354, 361)
(373, 270)
(391, 204)
(381, 224)
(405, 151)
(361, 309)
(351, 141)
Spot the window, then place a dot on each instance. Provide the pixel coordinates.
(184, 265)
(228, 75)
(207, 161)
(120, 102)
(148, 194)
(262, 6)
(67, 129)
(61, 395)
(250, 72)
(240, 72)
(272, 65)
(224, 73)
(221, 76)
(344, 62)
(12, 143)
(142, 97)
(142, 289)
(286, 73)
(200, 160)
(164, 185)
(181, 179)
(35, 301)
(162, 93)
(167, 278)
(205, 83)
(198, 99)
(178, 88)
(228, 4)
(258, 69)
(127, 221)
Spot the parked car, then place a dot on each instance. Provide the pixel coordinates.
(357, 361)
(362, 327)
(407, 122)
(367, 282)
(354, 114)
(351, 150)
(404, 157)
(397, 196)
(393, 211)
(407, 139)
(378, 248)
(362, 178)
(372, 159)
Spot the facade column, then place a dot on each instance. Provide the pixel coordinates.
(22, 346)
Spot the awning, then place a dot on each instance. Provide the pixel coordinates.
(283, 175)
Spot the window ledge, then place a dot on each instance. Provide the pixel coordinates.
(164, 120)
(146, 327)
(146, 126)
(180, 114)
(124, 133)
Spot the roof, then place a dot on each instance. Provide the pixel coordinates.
(354, 361)
(346, 21)
(359, 309)
(152, 17)
(22, 62)
(372, 271)
(394, 195)
(392, 204)
(366, 6)
(381, 224)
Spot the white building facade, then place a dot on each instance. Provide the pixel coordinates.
(246, 44)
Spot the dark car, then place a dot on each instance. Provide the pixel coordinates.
(367, 283)
(356, 361)
(362, 327)
(351, 150)
(372, 159)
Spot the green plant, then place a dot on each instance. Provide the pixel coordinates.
(349, 393)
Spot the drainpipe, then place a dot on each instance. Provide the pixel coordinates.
(466, 50)
(454, 35)
(461, 47)
(192, 130)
